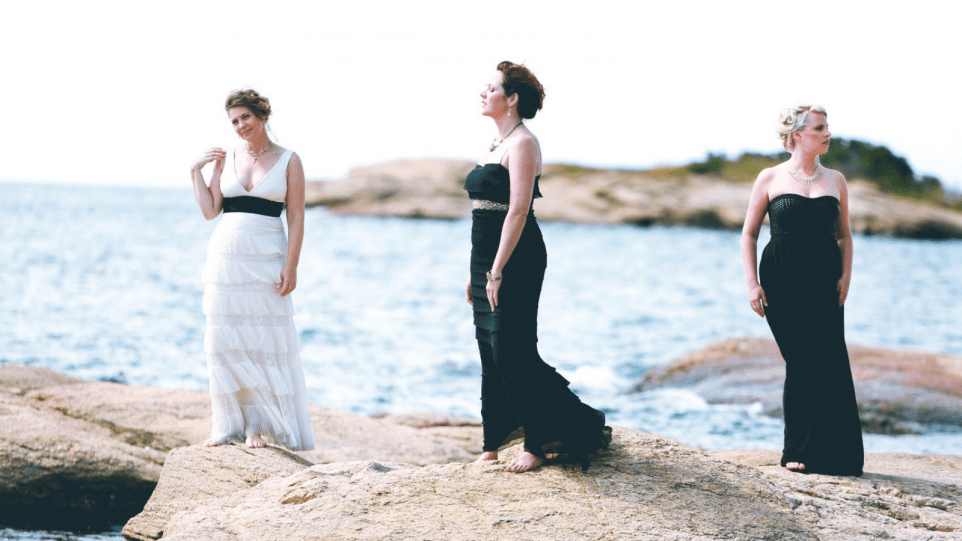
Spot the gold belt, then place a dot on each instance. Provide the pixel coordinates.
(489, 205)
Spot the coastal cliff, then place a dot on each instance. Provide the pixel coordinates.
(434, 189)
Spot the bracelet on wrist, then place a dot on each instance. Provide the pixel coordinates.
(492, 278)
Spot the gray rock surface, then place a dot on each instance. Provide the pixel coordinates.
(642, 487)
(19, 379)
(193, 476)
(434, 189)
(60, 472)
(898, 392)
(79, 454)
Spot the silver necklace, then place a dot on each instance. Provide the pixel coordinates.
(257, 154)
(497, 142)
(806, 180)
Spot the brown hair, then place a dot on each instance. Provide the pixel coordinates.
(248, 97)
(518, 79)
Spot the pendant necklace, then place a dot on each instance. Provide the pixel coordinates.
(806, 180)
(255, 155)
(497, 142)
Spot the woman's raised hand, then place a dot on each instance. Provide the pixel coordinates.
(756, 295)
(215, 154)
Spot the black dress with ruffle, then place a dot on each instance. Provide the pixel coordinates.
(521, 395)
(799, 271)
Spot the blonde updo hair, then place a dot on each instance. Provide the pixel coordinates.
(793, 119)
(248, 97)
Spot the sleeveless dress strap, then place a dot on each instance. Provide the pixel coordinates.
(286, 160)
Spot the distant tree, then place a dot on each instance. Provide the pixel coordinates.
(711, 166)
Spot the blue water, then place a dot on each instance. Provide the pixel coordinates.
(104, 283)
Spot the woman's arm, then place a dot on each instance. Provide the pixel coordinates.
(295, 224)
(209, 198)
(523, 164)
(844, 236)
(757, 207)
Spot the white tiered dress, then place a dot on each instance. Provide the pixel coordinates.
(253, 353)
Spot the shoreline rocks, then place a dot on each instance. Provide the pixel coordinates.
(78, 455)
(641, 487)
(434, 189)
(898, 392)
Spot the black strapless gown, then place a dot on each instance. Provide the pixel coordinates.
(799, 272)
(521, 395)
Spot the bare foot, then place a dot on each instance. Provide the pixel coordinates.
(486, 456)
(795, 466)
(212, 442)
(524, 463)
(254, 441)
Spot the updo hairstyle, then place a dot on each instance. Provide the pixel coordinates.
(793, 119)
(517, 79)
(248, 97)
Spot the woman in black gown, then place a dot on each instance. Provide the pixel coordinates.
(805, 274)
(521, 395)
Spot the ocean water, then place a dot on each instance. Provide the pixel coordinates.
(104, 283)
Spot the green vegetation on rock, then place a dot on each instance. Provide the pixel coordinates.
(855, 159)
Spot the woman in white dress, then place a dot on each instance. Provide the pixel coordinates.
(257, 389)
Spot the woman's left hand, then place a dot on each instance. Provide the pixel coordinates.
(492, 290)
(288, 280)
(843, 284)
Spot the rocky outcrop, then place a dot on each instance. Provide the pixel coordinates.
(898, 392)
(410, 189)
(57, 472)
(642, 487)
(18, 379)
(194, 476)
(77, 454)
(434, 189)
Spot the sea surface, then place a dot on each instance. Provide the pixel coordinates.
(104, 283)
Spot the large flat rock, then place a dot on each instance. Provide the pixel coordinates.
(434, 189)
(898, 392)
(642, 487)
(57, 472)
(197, 475)
(77, 455)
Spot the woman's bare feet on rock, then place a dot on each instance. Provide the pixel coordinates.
(795, 466)
(525, 462)
(486, 456)
(212, 442)
(254, 441)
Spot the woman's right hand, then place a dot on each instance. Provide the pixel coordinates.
(467, 293)
(215, 154)
(756, 295)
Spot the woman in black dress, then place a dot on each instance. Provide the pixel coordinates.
(521, 395)
(805, 274)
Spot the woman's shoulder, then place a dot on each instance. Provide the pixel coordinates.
(525, 144)
(767, 175)
(834, 175)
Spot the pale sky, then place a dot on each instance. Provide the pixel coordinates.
(129, 93)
